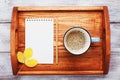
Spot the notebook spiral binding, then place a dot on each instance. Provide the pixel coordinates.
(38, 19)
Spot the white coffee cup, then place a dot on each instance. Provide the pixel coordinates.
(77, 40)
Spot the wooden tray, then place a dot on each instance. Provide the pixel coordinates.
(94, 19)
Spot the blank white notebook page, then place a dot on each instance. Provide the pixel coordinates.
(39, 37)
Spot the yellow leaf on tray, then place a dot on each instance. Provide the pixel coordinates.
(20, 57)
(31, 62)
(28, 53)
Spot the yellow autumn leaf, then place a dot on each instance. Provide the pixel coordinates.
(20, 57)
(31, 62)
(28, 53)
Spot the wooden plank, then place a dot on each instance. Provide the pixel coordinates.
(6, 6)
(115, 37)
(59, 72)
(6, 71)
(5, 37)
(14, 40)
(60, 8)
(5, 65)
(106, 34)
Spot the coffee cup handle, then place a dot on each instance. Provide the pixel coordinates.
(95, 39)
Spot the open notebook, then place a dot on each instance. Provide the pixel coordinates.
(39, 37)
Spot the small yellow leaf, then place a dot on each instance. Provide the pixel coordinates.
(28, 53)
(31, 62)
(20, 57)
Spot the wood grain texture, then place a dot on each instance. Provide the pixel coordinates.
(96, 21)
(5, 17)
(4, 37)
(5, 65)
(7, 5)
(6, 71)
(59, 8)
(115, 37)
(14, 40)
(106, 33)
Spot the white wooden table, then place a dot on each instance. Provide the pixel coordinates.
(5, 21)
